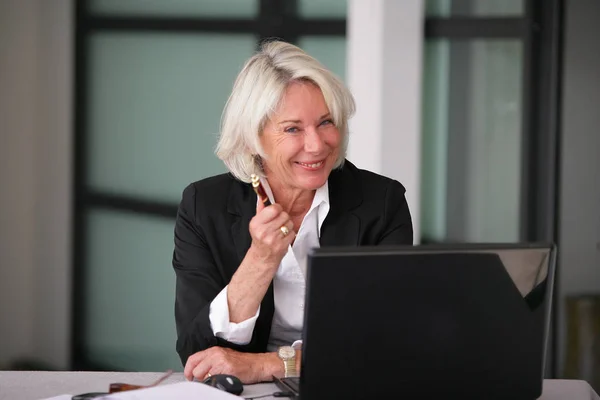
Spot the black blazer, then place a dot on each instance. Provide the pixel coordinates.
(212, 238)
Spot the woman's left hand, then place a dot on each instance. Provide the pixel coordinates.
(248, 367)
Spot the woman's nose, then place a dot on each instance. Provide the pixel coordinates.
(313, 142)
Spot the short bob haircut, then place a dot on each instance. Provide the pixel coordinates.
(256, 94)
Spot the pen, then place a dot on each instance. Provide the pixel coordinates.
(260, 190)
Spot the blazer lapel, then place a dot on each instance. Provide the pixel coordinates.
(342, 226)
(340, 231)
(242, 206)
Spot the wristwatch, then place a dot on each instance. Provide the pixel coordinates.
(288, 355)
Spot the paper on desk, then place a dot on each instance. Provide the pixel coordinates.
(61, 397)
(180, 390)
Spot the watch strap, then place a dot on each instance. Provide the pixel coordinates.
(289, 366)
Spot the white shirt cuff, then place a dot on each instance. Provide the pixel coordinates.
(297, 345)
(238, 333)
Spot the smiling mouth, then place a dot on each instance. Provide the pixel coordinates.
(311, 165)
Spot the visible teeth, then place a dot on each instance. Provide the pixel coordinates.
(315, 165)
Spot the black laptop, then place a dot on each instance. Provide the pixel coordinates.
(456, 321)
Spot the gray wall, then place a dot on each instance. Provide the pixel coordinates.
(579, 252)
(35, 154)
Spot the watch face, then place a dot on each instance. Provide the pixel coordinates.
(286, 352)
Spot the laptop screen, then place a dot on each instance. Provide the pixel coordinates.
(459, 319)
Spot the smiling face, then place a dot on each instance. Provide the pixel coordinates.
(300, 140)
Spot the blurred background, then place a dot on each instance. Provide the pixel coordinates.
(486, 110)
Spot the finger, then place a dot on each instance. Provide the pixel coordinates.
(275, 225)
(281, 240)
(259, 206)
(290, 225)
(289, 238)
(268, 214)
(191, 363)
(290, 229)
(201, 370)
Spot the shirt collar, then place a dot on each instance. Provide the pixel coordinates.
(320, 201)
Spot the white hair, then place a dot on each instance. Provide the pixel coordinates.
(256, 94)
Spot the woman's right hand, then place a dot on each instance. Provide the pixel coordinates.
(269, 244)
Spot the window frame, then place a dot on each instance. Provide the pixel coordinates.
(540, 29)
(275, 19)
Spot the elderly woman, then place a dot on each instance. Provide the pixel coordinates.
(241, 265)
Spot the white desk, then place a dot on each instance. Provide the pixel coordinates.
(34, 385)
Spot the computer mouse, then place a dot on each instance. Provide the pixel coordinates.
(227, 383)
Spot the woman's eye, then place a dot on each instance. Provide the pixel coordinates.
(327, 122)
(291, 129)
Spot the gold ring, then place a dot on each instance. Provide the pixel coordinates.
(284, 229)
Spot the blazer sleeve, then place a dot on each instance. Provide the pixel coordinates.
(198, 281)
(398, 223)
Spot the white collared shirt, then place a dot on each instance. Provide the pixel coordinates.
(289, 284)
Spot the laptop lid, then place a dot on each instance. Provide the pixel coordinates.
(423, 321)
